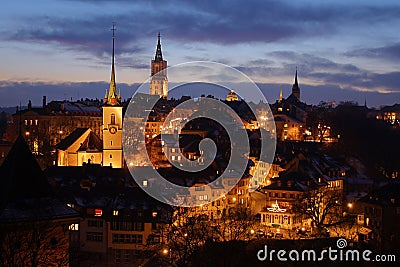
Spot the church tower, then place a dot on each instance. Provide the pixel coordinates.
(112, 121)
(295, 88)
(159, 80)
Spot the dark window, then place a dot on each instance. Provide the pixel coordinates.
(94, 236)
(95, 223)
(113, 118)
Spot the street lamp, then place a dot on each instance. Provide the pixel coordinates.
(60, 132)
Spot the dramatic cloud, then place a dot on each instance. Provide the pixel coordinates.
(390, 52)
(332, 42)
(221, 22)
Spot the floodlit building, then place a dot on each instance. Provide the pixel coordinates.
(159, 80)
(232, 96)
(84, 146)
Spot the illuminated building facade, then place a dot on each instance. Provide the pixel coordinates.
(44, 127)
(232, 96)
(280, 197)
(112, 122)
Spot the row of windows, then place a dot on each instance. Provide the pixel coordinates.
(94, 236)
(281, 219)
(31, 122)
(173, 158)
(95, 223)
(127, 226)
(283, 195)
(125, 255)
(127, 239)
(203, 197)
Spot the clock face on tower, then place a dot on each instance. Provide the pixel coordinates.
(112, 130)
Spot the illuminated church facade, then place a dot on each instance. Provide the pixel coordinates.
(84, 146)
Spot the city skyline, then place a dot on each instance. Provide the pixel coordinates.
(343, 51)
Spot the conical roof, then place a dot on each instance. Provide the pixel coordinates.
(21, 176)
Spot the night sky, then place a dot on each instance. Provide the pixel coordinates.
(344, 50)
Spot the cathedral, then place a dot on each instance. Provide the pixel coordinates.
(84, 146)
(159, 80)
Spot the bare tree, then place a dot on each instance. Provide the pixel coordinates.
(318, 121)
(233, 225)
(190, 231)
(186, 234)
(322, 205)
(39, 243)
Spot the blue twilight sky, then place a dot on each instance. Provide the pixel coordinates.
(344, 50)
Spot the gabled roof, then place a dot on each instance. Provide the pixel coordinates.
(88, 141)
(92, 142)
(21, 176)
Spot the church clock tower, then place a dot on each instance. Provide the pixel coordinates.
(159, 80)
(112, 121)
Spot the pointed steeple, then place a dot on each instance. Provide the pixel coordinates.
(295, 87)
(280, 96)
(158, 56)
(112, 98)
(20, 183)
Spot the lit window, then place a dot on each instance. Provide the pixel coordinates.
(26, 122)
(173, 158)
(154, 214)
(73, 227)
(71, 205)
(115, 212)
(98, 212)
(145, 183)
(36, 122)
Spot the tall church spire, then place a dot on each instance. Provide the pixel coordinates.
(295, 87)
(112, 97)
(159, 80)
(158, 56)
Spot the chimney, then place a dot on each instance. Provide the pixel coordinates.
(44, 101)
(29, 105)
